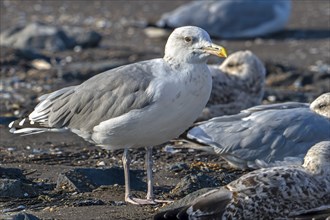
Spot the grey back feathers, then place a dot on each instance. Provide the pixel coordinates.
(271, 133)
(104, 96)
(279, 192)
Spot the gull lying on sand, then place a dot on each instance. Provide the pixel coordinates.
(231, 19)
(266, 134)
(138, 105)
(276, 192)
(237, 84)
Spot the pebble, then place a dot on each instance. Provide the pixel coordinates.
(11, 149)
(271, 98)
(153, 32)
(100, 163)
(41, 65)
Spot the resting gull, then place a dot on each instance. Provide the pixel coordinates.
(266, 134)
(237, 84)
(138, 105)
(231, 19)
(268, 193)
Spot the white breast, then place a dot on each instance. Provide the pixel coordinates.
(179, 100)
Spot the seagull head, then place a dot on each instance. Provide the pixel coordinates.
(191, 44)
(245, 65)
(321, 105)
(317, 159)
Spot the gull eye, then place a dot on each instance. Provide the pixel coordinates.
(231, 65)
(321, 106)
(188, 39)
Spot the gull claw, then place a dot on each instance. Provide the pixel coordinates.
(137, 201)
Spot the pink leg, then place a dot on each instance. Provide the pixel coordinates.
(150, 194)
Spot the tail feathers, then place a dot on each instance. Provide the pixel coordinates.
(26, 127)
(37, 121)
(56, 94)
(42, 110)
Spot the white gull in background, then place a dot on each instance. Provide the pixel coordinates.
(138, 105)
(237, 84)
(267, 134)
(231, 19)
(268, 193)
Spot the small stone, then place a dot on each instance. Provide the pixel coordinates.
(271, 98)
(101, 24)
(100, 163)
(11, 149)
(77, 49)
(41, 65)
(68, 59)
(153, 32)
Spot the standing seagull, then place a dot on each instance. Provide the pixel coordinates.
(269, 193)
(137, 105)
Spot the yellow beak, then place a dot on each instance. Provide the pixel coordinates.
(216, 50)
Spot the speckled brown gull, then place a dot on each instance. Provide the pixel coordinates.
(237, 84)
(138, 105)
(266, 135)
(231, 19)
(268, 193)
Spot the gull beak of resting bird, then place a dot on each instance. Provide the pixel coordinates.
(216, 50)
